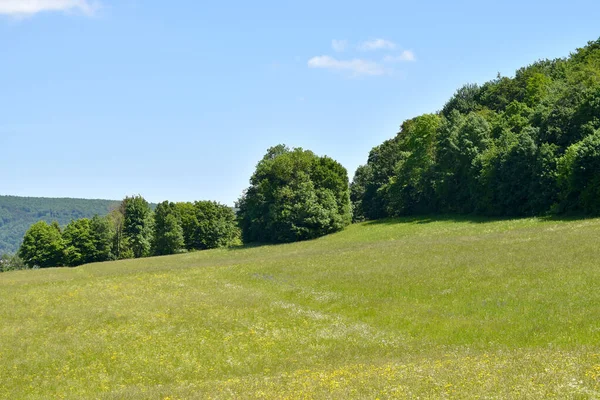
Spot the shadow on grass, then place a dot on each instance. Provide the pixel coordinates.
(248, 246)
(427, 219)
(473, 219)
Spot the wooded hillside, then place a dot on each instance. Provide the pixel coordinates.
(17, 214)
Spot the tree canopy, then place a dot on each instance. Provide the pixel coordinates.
(294, 195)
(526, 145)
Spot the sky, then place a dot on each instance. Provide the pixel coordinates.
(178, 100)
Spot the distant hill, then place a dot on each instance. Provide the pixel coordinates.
(17, 214)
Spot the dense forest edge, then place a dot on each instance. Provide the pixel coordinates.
(522, 146)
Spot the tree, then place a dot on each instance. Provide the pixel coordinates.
(168, 233)
(11, 262)
(208, 225)
(42, 246)
(461, 140)
(137, 225)
(294, 195)
(102, 236)
(579, 176)
(187, 215)
(358, 189)
(410, 189)
(120, 247)
(79, 244)
(216, 226)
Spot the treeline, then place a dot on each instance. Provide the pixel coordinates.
(294, 195)
(132, 230)
(527, 145)
(17, 214)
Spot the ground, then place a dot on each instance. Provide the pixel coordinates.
(422, 307)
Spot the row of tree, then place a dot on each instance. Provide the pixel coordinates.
(132, 230)
(527, 145)
(294, 195)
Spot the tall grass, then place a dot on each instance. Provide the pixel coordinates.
(430, 308)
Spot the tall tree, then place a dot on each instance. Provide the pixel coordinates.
(102, 236)
(137, 225)
(168, 233)
(43, 246)
(79, 243)
(294, 195)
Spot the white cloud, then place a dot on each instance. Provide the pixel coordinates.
(376, 44)
(30, 7)
(339, 45)
(356, 66)
(406, 55)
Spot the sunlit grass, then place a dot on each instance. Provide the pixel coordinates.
(397, 309)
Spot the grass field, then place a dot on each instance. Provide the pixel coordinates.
(444, 308)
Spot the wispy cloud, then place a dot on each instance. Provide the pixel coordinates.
(406, 55)
(20, 8)
(356, 66)
(339, 45)
(376, 44)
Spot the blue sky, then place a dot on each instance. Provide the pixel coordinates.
(179, 99)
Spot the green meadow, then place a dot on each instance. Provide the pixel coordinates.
(408, 308)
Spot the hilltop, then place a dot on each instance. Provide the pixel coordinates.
(428, 307)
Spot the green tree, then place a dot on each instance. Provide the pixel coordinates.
(102, 233)
(11, 262)
(42, 246)
(294, 195)
(79, 243)
(137, 225)
(187, 215)
(358, 188)
(168, 233)
(120, 247)
(411, 186)
(461, 140)
(216, 226)
(579, 176)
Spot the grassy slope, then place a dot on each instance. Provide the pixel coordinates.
(456, 308)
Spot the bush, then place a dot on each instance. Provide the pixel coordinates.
(294, 195)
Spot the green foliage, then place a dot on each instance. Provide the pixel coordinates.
(512, 146)
(464, 101)
(208, 225)
(88, 241)
(168, 233)
(17, 214)
(579, 175)
(79, 243)
(461, 141)
(137, 225)
(102, 233)
(43, 246)
(119, 244)
(410, 190)
(11, 262)
(362, 178)
(216, 226)
(189, 221)
(294, 195)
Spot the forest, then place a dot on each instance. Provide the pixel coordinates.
(521, 146)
